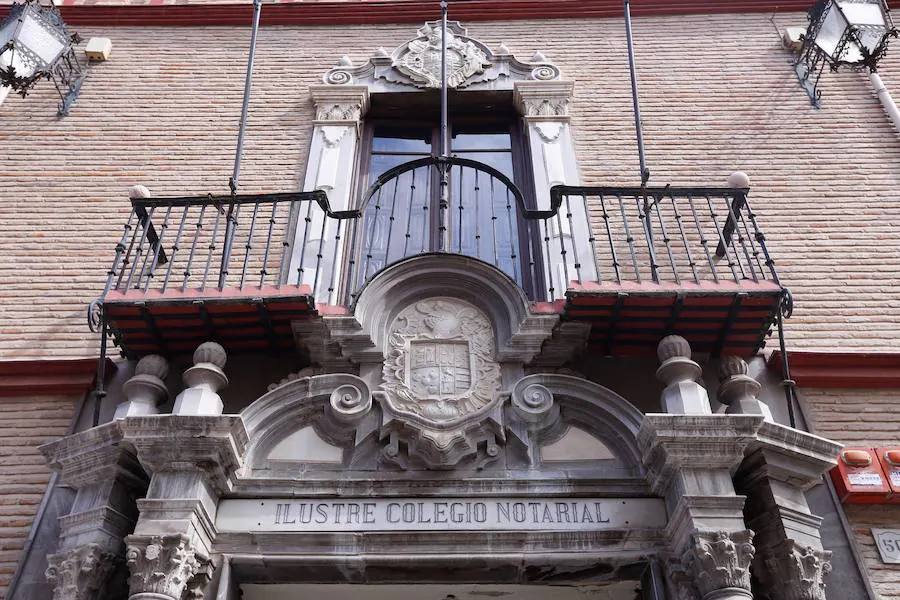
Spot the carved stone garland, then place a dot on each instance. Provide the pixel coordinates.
(441, 380)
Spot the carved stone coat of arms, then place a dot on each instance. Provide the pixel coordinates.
(421, 60)
(440, 363)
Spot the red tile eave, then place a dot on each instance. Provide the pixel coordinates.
(174, 295)
(842, 370)
(298, 12)
(725, 288)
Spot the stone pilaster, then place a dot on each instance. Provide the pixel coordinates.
(780, 466)
(89, 563)
(690, 459)
(193, 460)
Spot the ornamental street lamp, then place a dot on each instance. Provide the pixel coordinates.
(35, 43)
(848, 33)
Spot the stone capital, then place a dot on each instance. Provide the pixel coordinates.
(720, 563)
(671, 443)
(339, 104)
(791, 571)
(211, 445)
(543, 100)
(162, 566)
(81, 573)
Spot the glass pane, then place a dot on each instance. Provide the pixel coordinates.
(481, 141)
(39, 40)
(502, 161)
(833, 27)
(384, 162)
(395, 139)
(859, 13)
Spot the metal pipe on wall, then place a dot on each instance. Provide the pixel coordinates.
(887, 101)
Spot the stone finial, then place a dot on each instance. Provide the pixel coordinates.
(138, 191)
(204, 380)
(345, 61)
(738, 179)
(146, 389)
(381, 52)
(738, 390)
(503, 49)
(683, 395)
(538, 57)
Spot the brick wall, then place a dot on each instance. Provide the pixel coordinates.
(718, 95)
(866, 418)
(25, 424)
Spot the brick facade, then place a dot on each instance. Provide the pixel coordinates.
(25, 424)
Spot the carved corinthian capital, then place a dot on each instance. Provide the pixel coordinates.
(798, 571)
(162, 566)
(81, 573)
(721, 560)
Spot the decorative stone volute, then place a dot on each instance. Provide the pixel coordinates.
(161, 566)
(204, 380)
(738, 391)
(81, 573)
(146, 389)
(720, 562)
(683, 395)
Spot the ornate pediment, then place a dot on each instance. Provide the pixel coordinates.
(417, 63)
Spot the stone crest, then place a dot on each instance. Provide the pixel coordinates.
(440, 363)
(420, 60)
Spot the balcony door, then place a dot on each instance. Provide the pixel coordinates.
(401, 216)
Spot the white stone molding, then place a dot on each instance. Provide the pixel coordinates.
(339, 407)
(682, 395)
(330, 168)
(82, 573)
(204, 380)
(720, 562)
(161, 566)
(145, 390)
(417, 64)
(738, 391)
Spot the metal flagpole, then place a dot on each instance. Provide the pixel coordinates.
(231, 219)
(443, 164)
(639, 133)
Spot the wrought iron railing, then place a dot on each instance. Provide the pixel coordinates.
(172, 245)
(659, 235)
(580, 237)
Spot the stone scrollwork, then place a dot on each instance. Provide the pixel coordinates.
(349, 404)
(162, 565)
(721, 560)
(81, 573)
(534, 403)
(799, 571)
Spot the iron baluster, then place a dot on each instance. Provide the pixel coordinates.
(120, 261)
(334, 261)
(426, 238)
(574, 241)
(459, 194)
(390, 238)
(687, 247)
(703, 239)
(754, 250)
(248, 247)
(175, 247)
(494, 225)
(657, 200)
(564, 284)
(761, 240)
(265, 261)
(629, 239)
(211, 248)
(148, 277)
(372, 234)
(409, 215)
(609, 235)
(307, 220)
(644, 216)
(190, 262)
(549, 265)
(715, 219)
(512, 236)
(319, 256)
(478, 217)
(592, 240)
(732, 216)
(145, 228)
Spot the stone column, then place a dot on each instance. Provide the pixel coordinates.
(783, 463)
(192, 457)
(544, 106)
(690, 459)
(331, 168)
(89, 564)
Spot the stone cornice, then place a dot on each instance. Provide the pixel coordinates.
(211, 444)
(790, 456)
(94, 456)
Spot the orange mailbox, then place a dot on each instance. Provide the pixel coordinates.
(890, 462)
(859, 478)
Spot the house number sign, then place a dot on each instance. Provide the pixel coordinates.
(888, 542)
(440, 514)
